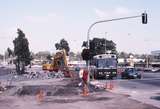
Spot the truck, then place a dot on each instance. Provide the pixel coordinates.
(105, 66)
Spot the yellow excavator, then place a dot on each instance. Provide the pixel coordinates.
(59, 62)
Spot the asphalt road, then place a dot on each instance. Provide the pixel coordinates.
(153, 81)
(151, 75)
(143, 90)
(149, 78)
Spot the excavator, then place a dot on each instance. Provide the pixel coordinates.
(59, 63)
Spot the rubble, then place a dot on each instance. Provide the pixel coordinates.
(2, 88)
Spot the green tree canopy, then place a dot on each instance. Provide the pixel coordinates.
(21, 51)
(100, 46)
(63, 45)
(10, 52)
(123, 55)
(49, 57)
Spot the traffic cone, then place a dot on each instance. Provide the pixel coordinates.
(111, 85)
(85, 91)
(107, 86)
(40, 96)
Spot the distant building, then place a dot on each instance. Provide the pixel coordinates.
(131, 61)
(155, 58)
(155, 53)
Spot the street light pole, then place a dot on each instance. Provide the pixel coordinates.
(102, 21)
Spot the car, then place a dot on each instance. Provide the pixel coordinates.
(155, 70)
(78, 67)
(130, 73)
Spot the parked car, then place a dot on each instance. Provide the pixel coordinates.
(130, 73)
(155, 70)
(80, 66)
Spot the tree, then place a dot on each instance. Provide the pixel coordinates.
(49, 57)
(63, 45)
(1, 56)
(123, 55)
(10, 52)
(99, 46)
(21, 51)
(86, 54)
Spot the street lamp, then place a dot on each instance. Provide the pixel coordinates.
(144, 21)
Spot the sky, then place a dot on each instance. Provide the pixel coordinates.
(46, 22)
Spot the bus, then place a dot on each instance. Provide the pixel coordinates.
(105, 66)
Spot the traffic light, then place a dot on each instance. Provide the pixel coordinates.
(86, 55)
(144, 18)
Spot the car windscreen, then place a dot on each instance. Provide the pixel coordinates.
(130, 70)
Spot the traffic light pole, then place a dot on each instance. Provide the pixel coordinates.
(102, 21)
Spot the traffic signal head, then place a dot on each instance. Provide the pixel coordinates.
(86, 55)
(144, 18)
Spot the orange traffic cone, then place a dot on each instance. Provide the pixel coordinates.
(111, 85)
(85, 91)
(107, 86)
(40, 96)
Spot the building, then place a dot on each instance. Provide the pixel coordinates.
(131, 61)
(155, 58)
